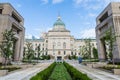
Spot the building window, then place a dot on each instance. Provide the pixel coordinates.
(46, 53)
(59, 53)
(0, 11)
(15, 17)
(64, 45)
(64, 52)
(59, 44)
(75, 53)
(103, 17)
(71, 53)
(46, 41)
(54, 44)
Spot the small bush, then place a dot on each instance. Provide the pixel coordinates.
(9, 68)
(43, 75)
(75, 74)
(110, 67)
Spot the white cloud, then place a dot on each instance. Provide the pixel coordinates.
(77, 2)
(45, 1)
(57, 1)
(92, 15)
(28, 36)
(89, 33)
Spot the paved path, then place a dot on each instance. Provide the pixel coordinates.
(26, 74)
(94, 74)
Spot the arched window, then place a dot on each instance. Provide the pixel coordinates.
(59, 52)
(75, 53)
(64, 52)
(59, 44)
(39, 44)
(46, 53)
(64, 45)
(46, 41)
(36, 44)
(71, 53)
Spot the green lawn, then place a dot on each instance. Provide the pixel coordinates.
(60, 73)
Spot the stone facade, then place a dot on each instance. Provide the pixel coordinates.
(110, 17)
(11, 19)
(58, 42)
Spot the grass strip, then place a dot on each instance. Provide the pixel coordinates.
(60, 73)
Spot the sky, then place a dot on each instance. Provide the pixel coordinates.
(79, 16)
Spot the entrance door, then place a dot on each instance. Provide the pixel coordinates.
(59, 58)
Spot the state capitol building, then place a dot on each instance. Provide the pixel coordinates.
(58, 42)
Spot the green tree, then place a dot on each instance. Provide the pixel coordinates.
(88, 47)
(38, 52)
(24, 53)
(82, 51)
(110, 39)
(6, 45)
(30, 51)
(95, 53)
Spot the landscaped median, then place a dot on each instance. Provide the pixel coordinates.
(60, 71)
(75, 74)
(44, 75)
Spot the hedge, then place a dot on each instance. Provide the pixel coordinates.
(43, 75)
(75, 74)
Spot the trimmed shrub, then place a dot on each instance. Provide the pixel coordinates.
(75, 74)
(44, 75)
(9, 68)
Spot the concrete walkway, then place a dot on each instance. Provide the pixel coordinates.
(94, 74)
(27, 73)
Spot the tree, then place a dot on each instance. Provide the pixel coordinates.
(24, 53)
(110, 39)
(95, 53)
(38, 51)
(88, 47)
(30, 51)
(82, 51)
(7, 44)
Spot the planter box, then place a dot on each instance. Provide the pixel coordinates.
(98, 65)
(3, 72)
(116, 71)
(95, 65)
(89, 65)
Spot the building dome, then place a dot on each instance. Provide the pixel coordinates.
(59, 22)
(59, 25)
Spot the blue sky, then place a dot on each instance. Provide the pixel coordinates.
(78, 15)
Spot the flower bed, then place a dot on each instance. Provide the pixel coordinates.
(75, 74)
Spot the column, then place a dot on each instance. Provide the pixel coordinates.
(17, 49)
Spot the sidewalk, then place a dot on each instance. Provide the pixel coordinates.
(94, 74)
(27, 73)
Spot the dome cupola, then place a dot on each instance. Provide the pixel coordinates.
(59, 24)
